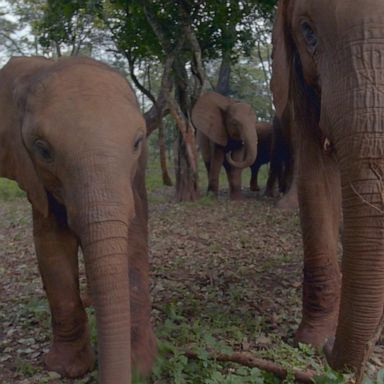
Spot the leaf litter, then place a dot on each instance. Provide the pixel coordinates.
(225, 276)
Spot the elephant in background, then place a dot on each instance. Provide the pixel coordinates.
(73, 138)
(328, 69)
(226, 136)
(281, 169)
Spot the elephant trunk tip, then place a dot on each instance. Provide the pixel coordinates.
(247, 162)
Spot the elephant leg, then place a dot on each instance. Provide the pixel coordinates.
(234, 176)
(206, 149)
(217, 160)
(290, 199)
(285, 175)
(319, 200)
(273, 175)
(253, 186)
(56, 248)
(288, 183)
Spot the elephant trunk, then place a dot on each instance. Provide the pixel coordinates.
(105, 248)
(249, 138)
(100, 212)
(107, 270)
(359, 147)
(362, 298)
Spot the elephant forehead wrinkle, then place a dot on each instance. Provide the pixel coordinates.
(83, 77)
(87, 124)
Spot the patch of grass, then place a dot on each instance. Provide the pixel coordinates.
(36, 310)
(9, 190)
(25, 368)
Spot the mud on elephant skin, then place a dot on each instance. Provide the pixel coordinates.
(73, 138)
(328, 68)
(226, 136)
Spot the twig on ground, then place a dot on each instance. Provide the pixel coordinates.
(244, 358)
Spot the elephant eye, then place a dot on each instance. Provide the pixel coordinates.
(43, 149)
(309, 36)
(137, 142)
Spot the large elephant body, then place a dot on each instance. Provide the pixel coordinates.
(328, 70)
(226, 136)
(72, 136)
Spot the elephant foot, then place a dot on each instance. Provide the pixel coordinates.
(236, 196)
(254, 188)
(70, 359)
(213, 190)
(316, 333)
(143, 351)
(269, 193)
(288, 201)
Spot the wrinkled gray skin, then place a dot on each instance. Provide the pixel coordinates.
(328, 68)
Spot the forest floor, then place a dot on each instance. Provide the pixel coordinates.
(225, 277)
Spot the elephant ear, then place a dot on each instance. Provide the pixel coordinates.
(208, 116)
(15, 162)
(281, 58)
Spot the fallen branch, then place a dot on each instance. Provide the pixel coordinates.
(243, 358)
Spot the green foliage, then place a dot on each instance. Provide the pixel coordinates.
(9, 190)
(72, 23)
(224, 25)
(330, 377)
(173, 366)
(25, 368)
(379, 378)
(131, 31)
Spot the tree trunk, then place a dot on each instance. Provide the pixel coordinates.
(186, 177)
(222, 86)
(185, 151)
(185, 155)
(163, 157)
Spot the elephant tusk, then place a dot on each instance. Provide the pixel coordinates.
(327, 145)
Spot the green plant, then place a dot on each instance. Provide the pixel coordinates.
(9, 190)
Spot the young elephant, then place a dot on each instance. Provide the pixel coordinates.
(226, 136)
(328, 69)
(73, 138)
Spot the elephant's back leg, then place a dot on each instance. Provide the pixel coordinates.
(56, 248)
(253, 185)
(205, 147)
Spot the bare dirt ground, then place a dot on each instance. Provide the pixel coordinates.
(225, 276)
